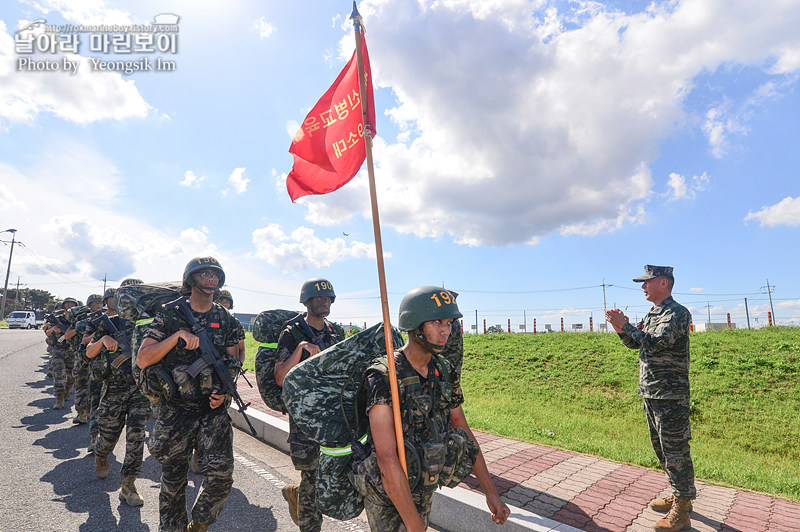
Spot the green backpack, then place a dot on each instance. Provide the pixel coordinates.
(267, 328)
(322, 396)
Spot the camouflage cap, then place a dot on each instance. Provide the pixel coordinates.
(651, 272)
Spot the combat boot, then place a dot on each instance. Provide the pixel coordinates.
(290, 493)
(90, 449)
(128, 492)
(81, 418)
(677, 518)
(664, 504)
(101, 466)
(60, 398)
(196, 527)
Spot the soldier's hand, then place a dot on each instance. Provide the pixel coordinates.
(216, 399)
(311, 348)
(500, 511)
(109, 343)
(191, 340)
(616, 318)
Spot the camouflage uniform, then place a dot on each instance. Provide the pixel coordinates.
(304, 451)
(80, 372)
(425, 409)
(663, 344)
(62, 362)
(95, 385)
(121, 406)
(187, 422)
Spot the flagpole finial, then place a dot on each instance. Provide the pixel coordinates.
(358, 22)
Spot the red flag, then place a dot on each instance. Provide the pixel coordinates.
(329, 148)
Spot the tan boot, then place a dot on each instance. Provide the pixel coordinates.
(290, 492)
(677, 518)
(90, 449)
(196, 527)
(101, 466)
(60, 398)
(128, 492)
(81, 418)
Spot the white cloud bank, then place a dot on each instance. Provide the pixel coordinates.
(302, 250)
(519, 121)
(785, 212)
(263, 28)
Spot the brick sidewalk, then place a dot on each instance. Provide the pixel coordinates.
(601, 496)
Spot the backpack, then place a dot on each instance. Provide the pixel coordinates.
(267, 329)
(322, 396)
(137, 303)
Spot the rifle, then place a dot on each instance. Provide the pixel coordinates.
(211, 357)
(62, 325)
(123, 342)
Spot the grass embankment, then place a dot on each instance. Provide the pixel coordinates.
(578, 392)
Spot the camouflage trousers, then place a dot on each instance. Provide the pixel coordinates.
(95, 393)
(180, 428)
(309, 516)
(670, 433)
(122, 406)
(80, 374)
(61, 365)
(384, 517)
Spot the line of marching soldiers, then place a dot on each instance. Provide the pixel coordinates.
(123, 372)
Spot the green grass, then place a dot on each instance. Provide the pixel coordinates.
(578, 392)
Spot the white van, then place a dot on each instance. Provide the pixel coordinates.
(22, 319)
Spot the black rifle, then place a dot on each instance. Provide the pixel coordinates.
(62, 324)
(123, 342)
(211, 357)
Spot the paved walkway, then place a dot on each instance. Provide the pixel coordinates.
(601, 496)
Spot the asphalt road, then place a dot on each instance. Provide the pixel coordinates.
(47, 480)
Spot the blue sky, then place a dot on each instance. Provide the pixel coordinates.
(527, 153)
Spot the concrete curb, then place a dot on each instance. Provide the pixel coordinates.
(453, 508)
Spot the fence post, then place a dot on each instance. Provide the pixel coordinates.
(729, 320)
(769, 318)
(534, 325)
(351, 327)
(691, 324)
(562, 324)
(484, 325)
(509, 325)
(591, 324)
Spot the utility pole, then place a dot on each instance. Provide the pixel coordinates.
(524, 322)
(604, 303)
(769, 292)
(708, 304)
(8, 272)
(747, 313)
(104, 283)
(16, 296)
(476, 321)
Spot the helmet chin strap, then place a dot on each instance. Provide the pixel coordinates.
(420, 338)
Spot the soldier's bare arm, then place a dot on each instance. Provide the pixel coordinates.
(283, 367)
(152, 351)
(94, 348)
(394, 479)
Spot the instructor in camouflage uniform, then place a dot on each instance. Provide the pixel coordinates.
(663, 344)
(196, 417)
(121, 404)
(304, 337)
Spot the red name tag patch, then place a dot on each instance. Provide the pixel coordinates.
(214, 325)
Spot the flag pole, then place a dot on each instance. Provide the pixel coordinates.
(358, 24)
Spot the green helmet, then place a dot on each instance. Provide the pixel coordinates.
(427, 303)
(316, 287)
(197, 264)
(128, 282)
(69, 300)
(57, 306)
(94, 298)
(225, 294)
(108, 293)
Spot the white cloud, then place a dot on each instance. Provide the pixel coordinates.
(518, 122)
(678, 188)
(696, 290)
(264, 28)
(785, 212)
(81, 97)
(302, 250)
(190, 179)
(84, 11)
(238, 181)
